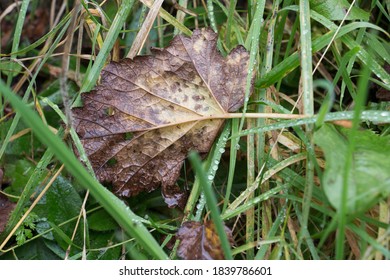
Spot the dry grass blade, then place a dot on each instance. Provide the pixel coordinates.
(145, 29)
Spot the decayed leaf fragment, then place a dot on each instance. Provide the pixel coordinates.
(139, 124)
(6, 207)
(200, 242)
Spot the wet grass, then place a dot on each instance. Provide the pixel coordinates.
(267, 179)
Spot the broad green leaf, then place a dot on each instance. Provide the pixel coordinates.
(337, 9)
(33, 250)
(63, 203)
(103, 249)
(101, 221)
(10, 68)
(17, 174)
(369, 177)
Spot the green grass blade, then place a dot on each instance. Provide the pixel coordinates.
(16, 36)
(271, 234)
(308, 102)
(343, 212)
(212, 204)
(232, 163)
(109, 42)
(210, 8)
(252, 44)
(306, 57)
(230, 23)
(212, 164)
(369, 115)
(44, 38)
(293, 61)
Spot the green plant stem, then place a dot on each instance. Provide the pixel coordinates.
(16, 37)
(342, 214)
(211, 204)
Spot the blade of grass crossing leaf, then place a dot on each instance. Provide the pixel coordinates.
(215, 158)
(252, 44)
(108, 44)
(359, 105)
(76, 140)
(212, 204)
(196, 198)
(130, 222)
(234, 146)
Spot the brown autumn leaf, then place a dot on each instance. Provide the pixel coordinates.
(6, 207)
(200, 242)
(139, 124)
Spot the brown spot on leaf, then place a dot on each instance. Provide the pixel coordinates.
(200, 242)
(161, 99)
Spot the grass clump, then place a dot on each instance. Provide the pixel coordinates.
(316, 187)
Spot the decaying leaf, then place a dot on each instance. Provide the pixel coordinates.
(200, 242)
(6, 207)
(139, 124)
